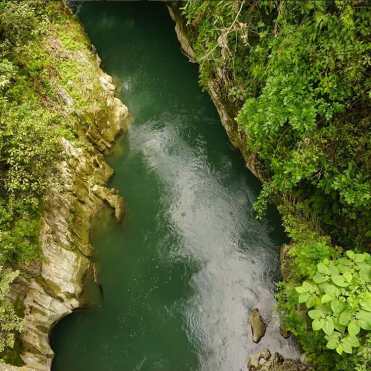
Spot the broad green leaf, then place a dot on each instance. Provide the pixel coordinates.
(348, 276)
(328, 326)
(364, 325)
(332, 343)
(365, 272)
(322, 268)
(326, 298)
(359, 258)
(366, 304)
(315, 314)
(340, 349)
(350, 254)
(303, 298)
(333, 340)
(311, 301)
(338, 280)
(339, 326)
(308, 286)
(344, 265)
(345, 317)
(300, 289)
(347, 346)
(349, 342)
(320, 278)
(333, 269)
(317, 324)
(364, 319)
(353, 340)
(331, 289)
(337, 306)
(353, 328)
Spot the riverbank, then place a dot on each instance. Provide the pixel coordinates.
(221, 39)
(69, 84)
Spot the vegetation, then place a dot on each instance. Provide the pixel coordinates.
(10, 322)
(296, 75)
(341, 300)
(49, 89)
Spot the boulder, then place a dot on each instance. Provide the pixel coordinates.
(257, 325)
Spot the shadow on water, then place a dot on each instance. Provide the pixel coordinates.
(182, 271)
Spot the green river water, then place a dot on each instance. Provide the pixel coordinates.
(182, 271)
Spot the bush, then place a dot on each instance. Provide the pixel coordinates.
(339, 300)
(10, 322)
(296, 73)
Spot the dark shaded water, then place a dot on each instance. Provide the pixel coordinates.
(188, 263)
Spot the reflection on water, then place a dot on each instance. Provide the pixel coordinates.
(190, 260)
(237, 259)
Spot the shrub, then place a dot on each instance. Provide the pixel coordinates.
(10, 322)
(338, 298)
(297, 75)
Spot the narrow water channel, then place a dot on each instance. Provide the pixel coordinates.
(182, 271)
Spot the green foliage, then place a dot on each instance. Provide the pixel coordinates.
(29, 147)
(49, 90)
(18, 22)
(309, 288)
(10, 322)
(339, 300)
(296, 75)
(309, 123)
(297, 72)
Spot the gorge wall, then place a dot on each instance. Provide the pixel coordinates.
(51, 288)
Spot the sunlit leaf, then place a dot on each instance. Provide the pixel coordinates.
(326, 298)
(315, 314)
(353, 328)
(328, 326)
(345, 317)
(317, 324)
(339, 280)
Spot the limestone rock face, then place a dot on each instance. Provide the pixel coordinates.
(257, 325)
(53, 290)
(112, 198)
(265, 361)
(183, 39)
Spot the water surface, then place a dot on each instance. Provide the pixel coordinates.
(182, 271)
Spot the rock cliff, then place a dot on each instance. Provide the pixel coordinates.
(52, 288)
(236, 136)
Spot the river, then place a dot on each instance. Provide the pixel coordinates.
(190, 260)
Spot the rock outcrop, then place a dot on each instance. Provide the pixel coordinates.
(257, 324)
(226, 113)
(53, 289)
(265, 361)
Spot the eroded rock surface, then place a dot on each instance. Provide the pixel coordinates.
(53, 288)
(257, 324)
(265, 361)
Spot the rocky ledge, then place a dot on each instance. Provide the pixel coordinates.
(236, 136)
(52, 289)
(265, 361)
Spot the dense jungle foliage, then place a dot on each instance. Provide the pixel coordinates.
(296, 75)
(43, 75)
